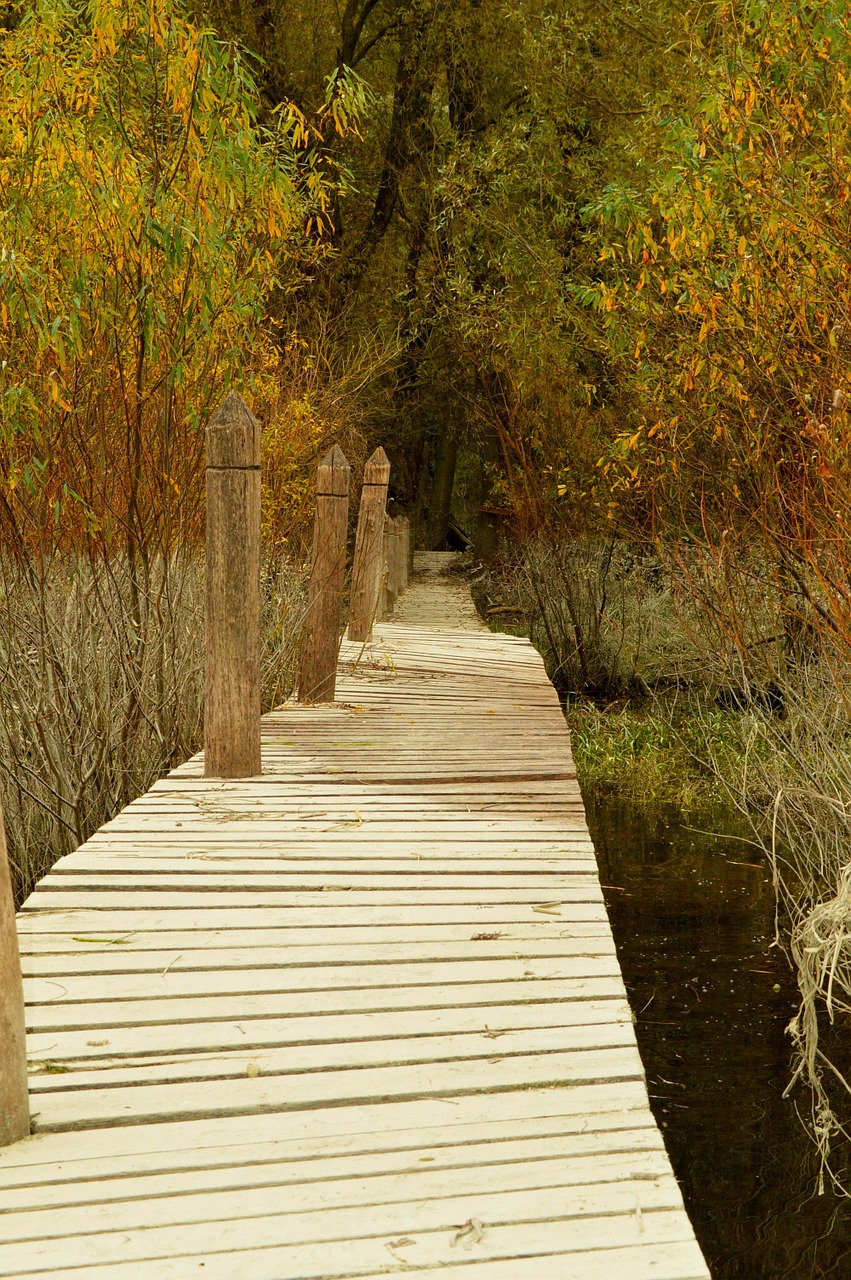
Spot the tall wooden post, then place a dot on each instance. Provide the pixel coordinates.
(232, 708)
(317, 675)
(14, 1100)
(368, 568)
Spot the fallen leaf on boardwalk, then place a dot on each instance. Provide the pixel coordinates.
(485, 937)
(113, 942)
(252, 1070)
(468, 1235)
(549, 908)
(493, 1035)
(357, 821)
(392, 1245)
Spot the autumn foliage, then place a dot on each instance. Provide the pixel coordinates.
(147, 223)
(726, 295)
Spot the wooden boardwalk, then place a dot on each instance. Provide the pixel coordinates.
(359, 1016)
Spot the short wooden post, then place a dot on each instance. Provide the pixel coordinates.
(404, 551)
(412, 539)
(391, 565)
(317, 675)
(232, 708)
(14, 1099)
(368, 568)
(396, 568)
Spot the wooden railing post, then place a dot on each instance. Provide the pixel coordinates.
(390, 592)
(404, 551)
(368, 567)
(317, 675)
(14, 1099)
(232, 707)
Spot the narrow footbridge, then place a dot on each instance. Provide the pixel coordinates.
(358, 1015)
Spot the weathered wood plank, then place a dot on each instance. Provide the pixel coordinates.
(98, 1107)
(273, 1165)
(305, 1135)
(126, 1013)
(65, 1074)
(243, 1033)
(529, 1252)
(639, 1261)
(332, 912)
(594, 1217)
(259, 1196)
(174, 983)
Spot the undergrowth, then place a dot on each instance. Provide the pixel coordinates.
(102, 688)
(697, 693)
(653, 751)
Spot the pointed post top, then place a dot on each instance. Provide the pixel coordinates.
(377, 469)
(233, 435)
(333, 474)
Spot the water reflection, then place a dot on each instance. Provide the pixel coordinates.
(692, 916)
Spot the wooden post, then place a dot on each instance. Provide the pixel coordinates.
(317, 675)
(404, 551)
(14, 1099)
(391, 566)
(368, 568)
(412, 541)
(394, 565)
(232, 708)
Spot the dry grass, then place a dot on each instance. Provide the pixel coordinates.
(101, 689)
(708, 667)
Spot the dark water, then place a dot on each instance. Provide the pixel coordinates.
(693, 927)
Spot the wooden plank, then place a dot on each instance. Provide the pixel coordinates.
(96, 1107)
(252, 1033)
(215, 866)
(126, 1013)
(386, 1126)
(138, 899)
(591, 1217)
(261, 1196)
(644, 1261)
(71, 1107)
(277, 1165)
(520, 936)
(333, 912)
(344, 844)
(680, 1259)
(282, 1058)
(105, 958)
(174, 983)
(416, 878)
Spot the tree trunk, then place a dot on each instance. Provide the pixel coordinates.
(440, 506)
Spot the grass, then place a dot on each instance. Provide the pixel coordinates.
(654, 752)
